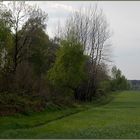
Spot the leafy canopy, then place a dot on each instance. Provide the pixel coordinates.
(68, 70)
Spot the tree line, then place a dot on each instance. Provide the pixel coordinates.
(73, 66)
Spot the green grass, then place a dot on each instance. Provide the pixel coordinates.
(118, 119)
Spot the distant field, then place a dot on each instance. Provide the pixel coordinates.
(118, 119)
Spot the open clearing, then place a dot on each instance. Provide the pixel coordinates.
(118, 119)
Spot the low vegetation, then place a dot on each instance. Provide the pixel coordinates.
(117, 119)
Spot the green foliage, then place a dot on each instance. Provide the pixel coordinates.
(119, 82)
(105, 86)
(68, 70)
(39, 51)
(12, 103)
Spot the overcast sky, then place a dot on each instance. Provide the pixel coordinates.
(124, 20)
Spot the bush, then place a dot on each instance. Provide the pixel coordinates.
(11, 103)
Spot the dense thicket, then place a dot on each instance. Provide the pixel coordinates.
(36, 70)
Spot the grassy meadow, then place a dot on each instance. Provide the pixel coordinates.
(120, 118)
